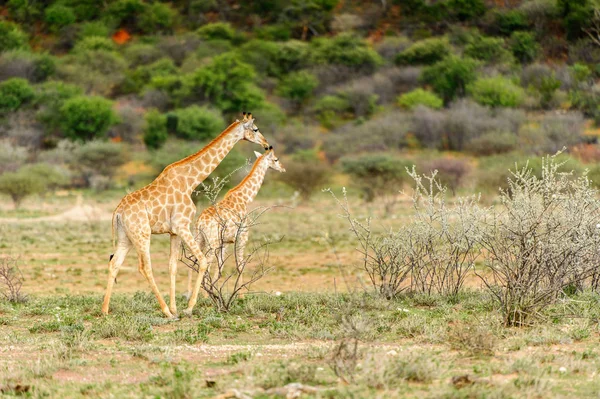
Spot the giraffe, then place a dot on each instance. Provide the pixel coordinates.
(165, 206)
(223, 223)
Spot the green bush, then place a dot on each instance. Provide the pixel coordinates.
(576, 16)
(524, 46)
(94, 43)
(465, 10)
(275, 59)
(86, 118)
(547, 88)
(228, 83)
(51, 175)
(20, 185)
(58, 16)
(125, 12)
(426, 52)
(331, 109)
(487, 49)
(420, 97)
(155, 129)
(158, 17)
(94, 28)
(580, 72)
(509, 21)
(11, 37)
(450, 77)
(195, 123)
(135, 80)
(23, 11)
(142, 54)
(344, 49)
(217, 31)
(376, 174)
(14, 93)
(298, 86)
(496, 92)
(85, 10)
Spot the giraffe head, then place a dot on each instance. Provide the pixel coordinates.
(251, 132)
(271, 159)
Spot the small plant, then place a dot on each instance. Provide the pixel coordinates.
(420, 97)
(238, 357)
(11, 280)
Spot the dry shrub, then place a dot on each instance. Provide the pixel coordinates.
(475, 339)
(11, 280)
(306, 176)
(541, 241)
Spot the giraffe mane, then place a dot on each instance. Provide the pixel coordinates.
(196, 155)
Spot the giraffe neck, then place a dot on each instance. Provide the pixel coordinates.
(194, 169)
(246, 191)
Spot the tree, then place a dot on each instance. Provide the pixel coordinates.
(87, 118)
(155, 130)
(19, 185)
(306, 173)
(14, 93)
(195, 123)
(298, 87)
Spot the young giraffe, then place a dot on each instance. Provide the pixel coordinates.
(165, 206)
(229, 214)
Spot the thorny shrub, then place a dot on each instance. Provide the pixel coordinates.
(542, 242)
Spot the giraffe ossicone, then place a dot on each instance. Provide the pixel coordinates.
(165, 206)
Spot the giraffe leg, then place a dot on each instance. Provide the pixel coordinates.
(123, 247)
(190, 288)
(145, 267)
(175, 248)
(188, 239)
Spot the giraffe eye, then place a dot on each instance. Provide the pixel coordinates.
(255, 129)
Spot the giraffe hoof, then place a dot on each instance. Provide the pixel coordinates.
(188, 312)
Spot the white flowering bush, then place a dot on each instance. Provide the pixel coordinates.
(542, 242)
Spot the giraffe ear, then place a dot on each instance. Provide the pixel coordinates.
(258, 154)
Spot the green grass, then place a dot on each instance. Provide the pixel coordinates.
(410, 346)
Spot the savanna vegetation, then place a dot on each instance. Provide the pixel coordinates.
(480, 279)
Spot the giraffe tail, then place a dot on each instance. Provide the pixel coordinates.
(115, 222)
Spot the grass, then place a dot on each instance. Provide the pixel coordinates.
(58, 344)
(62, 346)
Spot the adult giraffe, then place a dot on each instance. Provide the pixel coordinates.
(165, 206)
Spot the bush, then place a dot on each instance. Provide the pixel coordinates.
(94, 43)
(142, 75)
(385, 133)
(344, 49)
(217, 31)
(11, 37)
(52, 176)
(125, 12)
(227, 82)
(450, 77)
(20, 185)
(488, 49)
(377, 175)
(15, 93)
(390, 47)
(509, 21)
(58, 16)
(541, 242)
(155, 130)
(86, 118)
(35, 67)
(50, 97)
(362, 102)
(99, 159)
(524, 46)
(141, 54)
(306, 175)
(94, 28)
(465, 10)
(157, 17)
(451, 172)
(576, 16)
(420, 97)
(11, 156)
(496, 92)
(424, 52)
(195, 123)
(331, 109)
(298, 86)
(492, 143)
